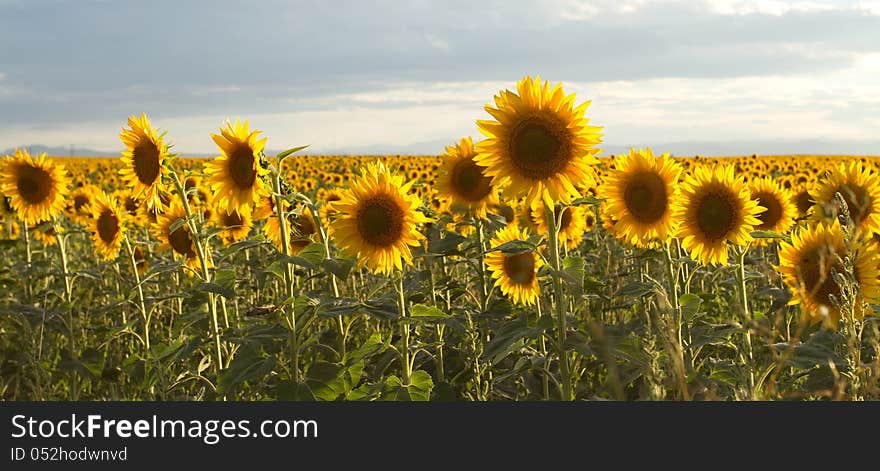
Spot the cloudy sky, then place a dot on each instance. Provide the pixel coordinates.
(699, 76)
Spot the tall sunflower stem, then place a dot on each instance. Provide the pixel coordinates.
(407, 360)
(68, 297)
(677, 320)
(560, 303)
(140, 291)
(289, 280)
(29, 259)
(747, 318)
(202, 253)
(325, 241)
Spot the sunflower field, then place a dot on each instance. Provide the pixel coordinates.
(522, 266)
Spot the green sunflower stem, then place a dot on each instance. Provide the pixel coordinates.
(140, 291)
(201, 252)
(325, 240)
(28, 253)
(560, 303)
(677, 320)
(746, 317)
(68, 297)
(407, 360)
(289, 280)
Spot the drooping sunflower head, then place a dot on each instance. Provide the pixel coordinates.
(464, 182)
(143, 161)
(640, 191)
(107, 225)
(46, 232)
(301, 228)
(515, 274)
(80, 203)
(37, 187)
(860, 189)
(806, 265)
(539, 143)
(714, 208)
(780, 211)
(179, 240)
(236, 176)
(378, 219)
(571, 222)
(235, 226)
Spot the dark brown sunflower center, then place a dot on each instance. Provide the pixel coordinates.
(181, 242)
(566, 218)
(804, 202)
(231, 220)
(717, 215)
(591, 221)
(857, 201)
(771, 217)
(79, 201)
(146, 161)
(131, 205)
(815, 271)
(241, 166)
(538, 149)
(507, 213)
(645, 197)
(520, 268)
(108, 226)
(33, 183)
(380, 221)
(469, 182)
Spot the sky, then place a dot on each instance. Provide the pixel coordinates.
(709, 77)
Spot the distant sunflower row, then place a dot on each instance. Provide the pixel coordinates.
(537, 172)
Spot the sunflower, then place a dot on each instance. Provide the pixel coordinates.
(377, 220)
(328, 196)
(539, 144)
(235, 176)
(515, 274)
(713, 208)
(640, 192)
(301, 229)
(46, 232)
(464, 182)
(571, 228)
(144, 160)
(235, 226)
(37, 187)
(807, 262)
(802, 200)
(780, 211)
(180, 241)
(107, 225)
(860, 190)
(79, 209)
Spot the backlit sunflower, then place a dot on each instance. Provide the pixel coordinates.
(235, 176)
(144, 160)
(46, 232)
(780, 211)
(107, 225)
(378, 219)
(860, 189)
(236, 226)
(301, 229)
(327, 212)
(571, 228)
(464, 182)
(806, 264)
(640, 193)
(79, 208)
(180, 241)
(713, 208)
(37, 187)
(515, 274)
(539, 143)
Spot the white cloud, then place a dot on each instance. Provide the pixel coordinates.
(766, 7)
(436, 42)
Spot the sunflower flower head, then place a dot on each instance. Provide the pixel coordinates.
(538, 144)
(464, 182)
(378, 219)
(516, 274)
(144, 160)
(37, 187)
(236, 175)
(714, 209)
